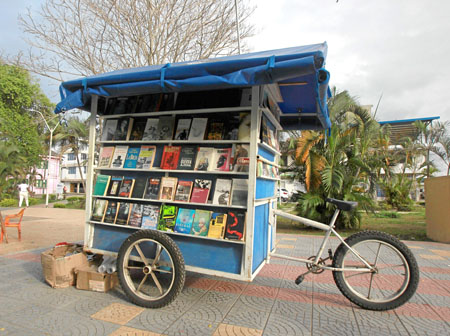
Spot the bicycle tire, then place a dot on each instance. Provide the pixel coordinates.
(161, 280)
(365, 243)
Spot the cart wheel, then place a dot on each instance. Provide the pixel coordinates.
(150, 268)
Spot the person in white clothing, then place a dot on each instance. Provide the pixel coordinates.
(23, 193)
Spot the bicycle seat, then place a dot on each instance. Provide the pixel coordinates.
(342, 205)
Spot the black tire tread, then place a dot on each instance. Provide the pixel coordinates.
(372, 234)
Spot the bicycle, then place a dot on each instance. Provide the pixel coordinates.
(372, 269)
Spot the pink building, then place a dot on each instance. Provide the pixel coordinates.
(51, 175)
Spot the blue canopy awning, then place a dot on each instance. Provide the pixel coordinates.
(298, 71)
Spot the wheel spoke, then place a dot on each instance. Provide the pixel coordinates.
(157, 255)
(370, 286)
(142, 282)
(133, 267)
(393, 266)
(160, 270)
(376, 256)
(358, 273)
(155, 279)
(144, 259)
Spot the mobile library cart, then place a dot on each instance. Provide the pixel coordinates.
(231, 108)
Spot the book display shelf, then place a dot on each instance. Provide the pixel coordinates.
(200, 166)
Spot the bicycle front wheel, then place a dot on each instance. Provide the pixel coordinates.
(393, 279)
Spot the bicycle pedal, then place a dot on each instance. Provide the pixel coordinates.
(299, 279)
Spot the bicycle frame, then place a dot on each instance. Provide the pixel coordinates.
(329, 230)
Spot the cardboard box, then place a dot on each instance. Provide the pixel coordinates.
(60, 262)
(89, 279)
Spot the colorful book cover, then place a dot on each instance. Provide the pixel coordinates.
(111, 212)
(123, 213)
(184, 221)
(139, 187)
(122, 129)
(222, 159)
(152, 188)
(165, 128)
(187, 158)
(109, 128)
(150, 217)
(132, 157)
(182, 131)
(167, 217)
(216, 130)
(239, 151)
(168, 188)
(136, 215)
(264, 131)
(198, 129)
(105, 157)
(239, 192)
(151, 129)
(114, 186)
(200, 225)
(217, 225)
(101, 185)
(200, 191)
(137, 132)
(183, 192)
(170, 157)
(99, 209)
(126, 187)
(146, 157)
(222, 192)
(120, 153)
(235, 229)
(204, 159)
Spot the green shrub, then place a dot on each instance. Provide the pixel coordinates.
(73, 199)
(8, 202)
(387, 214)
(34, 201)
(59, 205)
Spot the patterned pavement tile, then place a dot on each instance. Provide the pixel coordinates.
(232, 330)
(296, 310)
(27, 256)
(380, 323)
(420, 326)
(229, 287)
(287, 326)
(431, 256)
(284, 246)
(253, 302)
(417, 310)
(87, 306)
(415, 247)
(213, 297)
(250, 318)
(154, 320)
(208, 312)
(198, 282)
(443, 253)
(11, 329)
(126, 331)
(294, 295)
(260, 291)
(266, 281)
(118, 313)
(187, 327)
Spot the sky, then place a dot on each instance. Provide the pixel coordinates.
(384, 47)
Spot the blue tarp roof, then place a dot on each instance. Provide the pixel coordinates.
(299, 72)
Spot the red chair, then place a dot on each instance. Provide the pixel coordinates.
(16, 223)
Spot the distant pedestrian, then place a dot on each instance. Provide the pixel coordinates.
(64, 192)
(23, 193)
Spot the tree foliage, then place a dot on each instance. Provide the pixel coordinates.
(86, 37)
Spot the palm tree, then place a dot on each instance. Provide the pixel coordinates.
(309, 156)
(12, 166)
(74, 136)
(444, 151)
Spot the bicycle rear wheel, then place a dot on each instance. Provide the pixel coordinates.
(394, 279)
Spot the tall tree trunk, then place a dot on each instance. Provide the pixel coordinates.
(80, 171)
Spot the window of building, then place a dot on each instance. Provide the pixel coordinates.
(84, 170)
(41, 184)
(72, 170)
(43, 165)
(71, 156)
(83, 156)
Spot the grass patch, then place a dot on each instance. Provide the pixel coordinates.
(403, 225)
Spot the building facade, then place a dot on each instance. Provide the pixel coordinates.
(70, 172)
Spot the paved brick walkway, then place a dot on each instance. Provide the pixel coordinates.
(270, 305)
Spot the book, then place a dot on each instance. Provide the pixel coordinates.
(105, 157)
(151, 129)
(101, 185)
(139, 187)
(239, 192)
(235, 228)
(183, 192)
(114, 186)
(200, 191)
(217, 225)
(231, 128)
(149, 102)
(244, 127)
(165, 128)
(170, 157)
(167, 217)
(109, 128)
(123, 213)
(198, 129)
(123, 129)
(120, 152)
(98, 210)
(222, 192)
(222, 159)
(205, 156)
(264, 131)
(184, 221)
(168, 188)
(242, 164)
(119, 105)
(182, 131)
(246, 97)
(150, 217)
(137, 131)
(216, 130)
(240, 160)
(187, 158)
(152, 188)
(126, 187)
(146, 157)
(135, 215)
(111, 212)
(200, 225)
(132, 157)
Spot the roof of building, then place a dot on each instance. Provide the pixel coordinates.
(405, 127)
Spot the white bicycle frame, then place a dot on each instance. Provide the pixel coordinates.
(329, 230)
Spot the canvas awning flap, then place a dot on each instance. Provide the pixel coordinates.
(299, 72)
